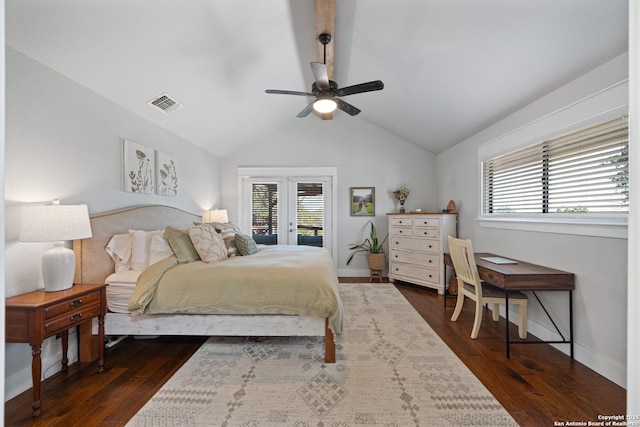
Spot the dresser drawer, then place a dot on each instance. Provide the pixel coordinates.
(71, 305)
(420, 258)
(400, 222)
(426, 233)
(411, 271)
(425, 245)
(66, 320)
(426, 222)
(401, 231)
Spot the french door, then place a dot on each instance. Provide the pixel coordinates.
(289, 210)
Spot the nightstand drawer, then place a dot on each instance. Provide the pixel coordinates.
(67, 320)
(71, 305)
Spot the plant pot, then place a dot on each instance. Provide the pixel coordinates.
(376, 261)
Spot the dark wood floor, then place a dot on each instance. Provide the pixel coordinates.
(537, 385)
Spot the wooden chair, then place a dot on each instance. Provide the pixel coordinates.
(470, 286)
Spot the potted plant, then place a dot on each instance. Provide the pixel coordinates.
(372, 248)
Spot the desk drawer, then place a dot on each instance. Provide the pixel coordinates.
(66, 320)
(491, 277)
(72, 305)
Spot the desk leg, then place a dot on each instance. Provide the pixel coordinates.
(571, 323)
(36, 373)
(506, 292)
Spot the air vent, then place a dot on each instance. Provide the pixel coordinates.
(165, 103)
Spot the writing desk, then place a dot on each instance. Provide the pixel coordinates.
(525, 276)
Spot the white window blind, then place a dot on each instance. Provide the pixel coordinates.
(310, 213)
(585, 171)
(265, 213)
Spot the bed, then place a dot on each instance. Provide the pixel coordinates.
(133, 296)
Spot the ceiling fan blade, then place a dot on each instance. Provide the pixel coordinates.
(360, 88)
(306, 111)
(320, 74)
(288, 92)
(346, 107)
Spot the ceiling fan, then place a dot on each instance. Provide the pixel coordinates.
(326, 91)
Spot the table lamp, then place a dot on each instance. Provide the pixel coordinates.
(55, 223)
(215, 215)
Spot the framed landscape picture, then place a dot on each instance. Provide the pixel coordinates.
(363, 201)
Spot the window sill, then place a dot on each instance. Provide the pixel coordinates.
(611, 227)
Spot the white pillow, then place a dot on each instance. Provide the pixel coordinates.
(159, 249)
(208, 243)
(140, 244)
(119, 249)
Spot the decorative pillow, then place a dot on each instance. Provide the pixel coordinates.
(119, 249)
(181, 245)
(140, 243)
(246, 245)
(208, 243)
(228, 230)
(159, 249)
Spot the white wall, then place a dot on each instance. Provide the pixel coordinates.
(600, 264)
(633, 321)
(64, 141)
(364, 155)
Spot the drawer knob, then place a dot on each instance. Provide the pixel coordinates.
(75, 317)
(399, 231)
(429, 261)
(75, 303)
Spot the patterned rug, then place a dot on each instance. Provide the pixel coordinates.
(391, 370)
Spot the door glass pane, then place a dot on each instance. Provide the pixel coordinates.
(310, 213)
(264, 213)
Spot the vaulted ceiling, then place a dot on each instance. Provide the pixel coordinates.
(450, 67)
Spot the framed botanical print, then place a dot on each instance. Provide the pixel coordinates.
(139, 168)
(363, 201)
(167, 175)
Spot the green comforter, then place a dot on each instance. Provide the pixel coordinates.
(280, 279)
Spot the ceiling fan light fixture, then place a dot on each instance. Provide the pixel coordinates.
(325, 105)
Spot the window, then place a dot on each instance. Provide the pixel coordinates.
(583, 172)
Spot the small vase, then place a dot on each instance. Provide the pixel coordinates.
(401, 207)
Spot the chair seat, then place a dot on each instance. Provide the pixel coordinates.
(490, 291)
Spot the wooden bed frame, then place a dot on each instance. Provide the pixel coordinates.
(94, 265)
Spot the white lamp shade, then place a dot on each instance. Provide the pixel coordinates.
(215, 215)
(55, 223)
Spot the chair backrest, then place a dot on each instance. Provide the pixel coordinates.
(464, 263)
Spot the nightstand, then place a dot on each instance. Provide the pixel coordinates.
(34, 316)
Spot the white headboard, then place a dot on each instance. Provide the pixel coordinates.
(93, 264)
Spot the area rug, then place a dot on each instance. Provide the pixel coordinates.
(391, 370)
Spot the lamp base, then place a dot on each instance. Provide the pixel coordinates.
(58, 268)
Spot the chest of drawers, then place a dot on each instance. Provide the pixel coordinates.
(417, 243)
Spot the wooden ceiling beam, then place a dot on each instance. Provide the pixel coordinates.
(324, 12)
